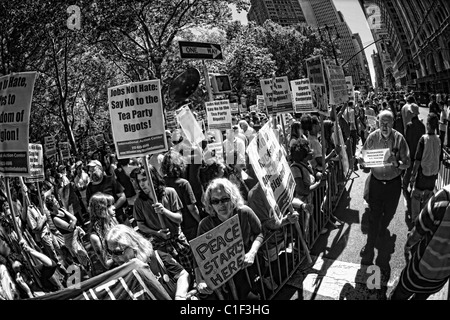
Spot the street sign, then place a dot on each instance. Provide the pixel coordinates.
(200, 50)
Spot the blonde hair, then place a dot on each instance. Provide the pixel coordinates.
(229, 187)
(127, 236)
(99, 204)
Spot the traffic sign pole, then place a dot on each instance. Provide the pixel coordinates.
(208, 84)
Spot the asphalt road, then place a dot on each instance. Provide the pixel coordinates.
(337, 273)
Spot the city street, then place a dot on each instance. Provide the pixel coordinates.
(337, 273)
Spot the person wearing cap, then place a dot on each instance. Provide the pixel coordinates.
(385, 183)
(100, 182)
(414, 131)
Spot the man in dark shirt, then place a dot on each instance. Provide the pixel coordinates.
(100, 182)
(414, 130)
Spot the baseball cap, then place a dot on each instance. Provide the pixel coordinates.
(94, 163)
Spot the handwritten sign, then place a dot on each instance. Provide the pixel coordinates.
(137, 119)
(16, 92)
(272, 169)
(376, 158)
(219, 252)
(301, 94)
(219, 114)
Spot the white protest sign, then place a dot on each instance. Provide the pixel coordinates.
(16, 92)
(137, 119)
(316, 76)
(213, 151)
(219, 114)
(338, 86)
(376, 158)
(260, 103)
(219, 252)
(280, 99)
(36, 163)
(350, 90)
(272, 169)
(64, 147)
(234, 107)
(189, 125)
(50, 146)
(301, 93)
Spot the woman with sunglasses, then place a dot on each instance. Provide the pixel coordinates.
(222, 200)
(103, 218)
(124, 243)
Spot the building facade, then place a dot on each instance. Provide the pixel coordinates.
(283, 12)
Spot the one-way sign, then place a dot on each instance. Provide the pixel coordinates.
(200, 50)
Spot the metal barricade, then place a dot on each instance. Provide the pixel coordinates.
(444, 172)
(281, 252)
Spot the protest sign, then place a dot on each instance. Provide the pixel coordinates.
(219, 114)
(337, 85)
(171, 121)
(219, 252)
(137, 119)
(279, 99)
(260, 103)
(301, 93)
(316, 76)
(376, 158)
(350, 90)
(234, 107)
(64, 147)
(272, 169)
(36, 163)
(192, 131)
(16, 92)
(50, 146)
(131, 281)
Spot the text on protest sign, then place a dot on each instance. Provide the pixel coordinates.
(278, 99)
(36, 163)
(338, 86)
(376, 158)
(272, 169)
(301, 93)
(316, 76)
(50, 146)
(219, 114)
(16, 92)
(137, 119)
(219, 252)
(64, 147)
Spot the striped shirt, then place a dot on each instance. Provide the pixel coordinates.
(429, 268)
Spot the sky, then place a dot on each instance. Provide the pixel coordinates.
(354, 16)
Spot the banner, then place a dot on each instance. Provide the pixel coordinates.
(219, 252)
(273, 171)
(301, 93)
(16, 93)
(36, 163)
(131, 281)
(376, 158)
(219, 114)
(317, 80)
(337, 85)
(277, 100)
(350, 89)
(189, 125)
(137, 119)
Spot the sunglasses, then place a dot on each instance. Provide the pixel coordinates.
(116, 252)
(217, 201)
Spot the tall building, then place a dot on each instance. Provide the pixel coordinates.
(322, 14)
(379, 76)
(364, 74)
(427, 32)
(283, 12)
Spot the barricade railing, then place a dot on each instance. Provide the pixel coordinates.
(443, 178)
(281, 252)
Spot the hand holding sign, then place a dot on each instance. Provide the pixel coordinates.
(376, 158)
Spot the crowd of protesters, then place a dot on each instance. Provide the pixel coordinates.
(99, 212)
